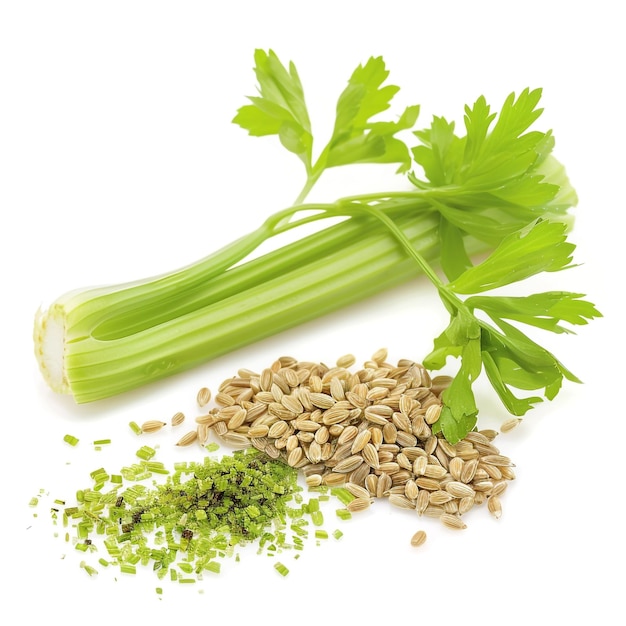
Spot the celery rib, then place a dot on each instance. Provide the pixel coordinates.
(192, 321)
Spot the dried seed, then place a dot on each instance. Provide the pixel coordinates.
(178, 419)
(419, 465)
(411, 489)
(390, 432)
(314, 480)
(404, 462)
(308, 426)
(499, 488)
(267, 379)
(431, 444)
(469, 470)
(413, 452)
(483, 486)
(371, 484)
(489, 433)
(451, 507)
(322, 434)
(357, 491)
(402, 422)
(349, 464)
(347, 434)
(401, 477)
(507, 473)
(332, 479)
(455, 467)
(295, 456)
(305, 437)
(440, 384)
(401, 501)
(152, 426)
(188, 438)
(327, 451)
(423, 498)
(335, 415)
(359, 475)
(370, 456)
(418, 539)
(510, 424)
(432, 413)
(258, 431)
(459, 489)
(496, 459)
(465, 504)
(427, 483)
(272, 451)
(223, 399)
(278, 429)
(322, 400)
(440, 497)
(434, 471)
(203, 433)
(358, 504)
(237, 419)
(434, 511)
(491, 470)
(406, 440)
(494, 506)
(347, 360)
(291, 403)
(384, 484)
(236, 440)
(360, 441)
(204, 396)
(314, 453)
(453, 521)
(377, 436)
(389, 467)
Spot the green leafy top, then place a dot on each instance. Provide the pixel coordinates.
(280, 109)
(498, 183)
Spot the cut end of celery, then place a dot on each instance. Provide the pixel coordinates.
(49, 337)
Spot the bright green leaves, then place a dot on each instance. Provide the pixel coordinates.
(497, 183)
(493, 180)
(440, 155)
(539, 247)
(459, 413)
(489, 155)
(510, 358)
(461, 339)
(280, 110)
(543, 310)
(355, 138)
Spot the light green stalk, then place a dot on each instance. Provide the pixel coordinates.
(104, 341)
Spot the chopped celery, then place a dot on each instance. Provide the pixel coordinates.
(281, 569)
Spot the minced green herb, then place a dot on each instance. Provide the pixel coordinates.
(197, 517)
(70, 439)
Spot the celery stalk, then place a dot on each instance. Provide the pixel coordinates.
(100, 342)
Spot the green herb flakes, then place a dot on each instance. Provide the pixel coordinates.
(197, 517)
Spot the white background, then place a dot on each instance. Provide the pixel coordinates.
(118, 161)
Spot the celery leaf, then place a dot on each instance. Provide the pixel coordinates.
(280, 109)
(541, 246)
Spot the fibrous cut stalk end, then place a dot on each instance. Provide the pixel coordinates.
(49, 339)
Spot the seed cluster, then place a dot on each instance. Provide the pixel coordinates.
(368, 430)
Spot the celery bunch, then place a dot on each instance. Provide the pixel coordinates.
(496, 188)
